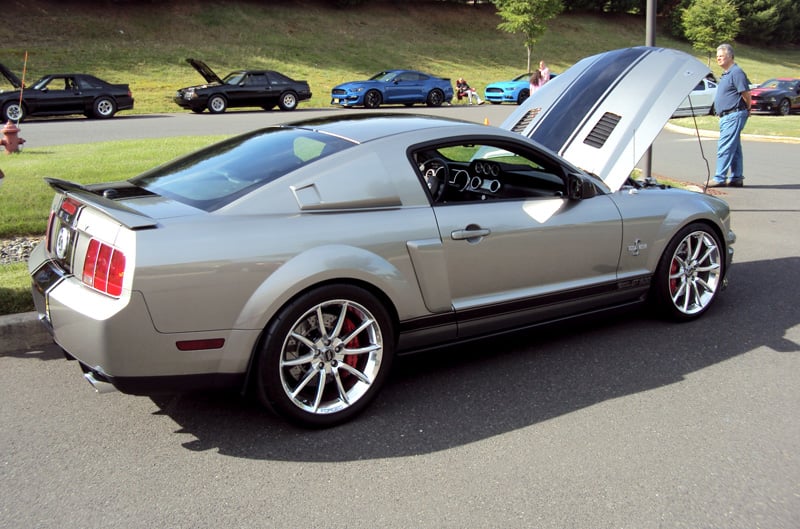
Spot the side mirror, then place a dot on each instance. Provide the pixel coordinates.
(578, 188)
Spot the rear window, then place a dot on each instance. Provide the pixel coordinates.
(217, 175)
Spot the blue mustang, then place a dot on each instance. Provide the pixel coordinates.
(404, 87)
(516, 90)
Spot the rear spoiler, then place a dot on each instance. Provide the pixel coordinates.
(126, 216)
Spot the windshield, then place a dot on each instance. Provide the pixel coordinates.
(233, 78)
(217, 175)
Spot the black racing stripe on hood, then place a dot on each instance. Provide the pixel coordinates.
(585, 93)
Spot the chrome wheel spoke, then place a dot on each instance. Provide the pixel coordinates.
(304, 382)
(320, 389)
(355, 372)
(340, 387)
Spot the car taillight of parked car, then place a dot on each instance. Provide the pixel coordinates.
(104, 268)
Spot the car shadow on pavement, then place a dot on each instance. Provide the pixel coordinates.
(459, 395)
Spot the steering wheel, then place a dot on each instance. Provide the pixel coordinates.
(436, 174)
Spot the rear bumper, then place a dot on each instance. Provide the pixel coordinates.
(116, 342)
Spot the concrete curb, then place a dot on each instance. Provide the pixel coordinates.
(23, 331)
(715, 134)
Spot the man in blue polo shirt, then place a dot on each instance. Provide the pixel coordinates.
(732, 104)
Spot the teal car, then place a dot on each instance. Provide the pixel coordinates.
(514, 91)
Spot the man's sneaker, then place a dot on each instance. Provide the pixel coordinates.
(716, 183)
(736, 183)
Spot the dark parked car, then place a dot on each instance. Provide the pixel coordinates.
(777, 96)
(63, 94)
(404, 87)
(242, 88)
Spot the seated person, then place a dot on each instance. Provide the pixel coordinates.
(464, 90)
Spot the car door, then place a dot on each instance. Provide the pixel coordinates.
(250, 91)
(405, 87)
(56, 94)
(516, 250)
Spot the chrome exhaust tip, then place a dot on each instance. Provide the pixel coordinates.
(100, 386)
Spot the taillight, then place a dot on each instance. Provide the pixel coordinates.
(104, 268)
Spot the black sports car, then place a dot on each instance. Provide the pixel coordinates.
(62, 94)
(241, 88)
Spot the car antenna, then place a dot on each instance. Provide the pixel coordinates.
(22, 85)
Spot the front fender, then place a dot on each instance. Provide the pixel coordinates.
(333, 263)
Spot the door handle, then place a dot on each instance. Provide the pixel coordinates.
(469, 234)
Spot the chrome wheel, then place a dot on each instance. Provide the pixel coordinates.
(326, 356)
(13, 112)
(784, 107)
(691, 272)
(288, 101)
(217, 104)
(104, 108)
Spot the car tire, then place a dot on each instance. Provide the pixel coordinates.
(523, 95)
(13, 111)
(690, 272)
(435, 98)
(784, 107)
(372, 99)
(217, 104)
(305, 374)
(288, 101)
(104, 108)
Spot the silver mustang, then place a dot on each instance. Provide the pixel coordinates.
(296, 261)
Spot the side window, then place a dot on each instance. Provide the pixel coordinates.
(473, 172)
(256, 79)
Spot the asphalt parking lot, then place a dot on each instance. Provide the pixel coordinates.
(624, 422)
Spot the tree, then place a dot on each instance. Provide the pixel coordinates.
(527, 17)
(709, 23)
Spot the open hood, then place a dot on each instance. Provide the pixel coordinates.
(207, 73)
(603, 113)
(8, 74)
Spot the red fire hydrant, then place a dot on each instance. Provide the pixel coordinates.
(11, 141)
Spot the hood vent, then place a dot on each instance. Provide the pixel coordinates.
(600, 133)
(526, 119)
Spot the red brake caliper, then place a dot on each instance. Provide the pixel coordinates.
(347, 328)
(673, 283)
